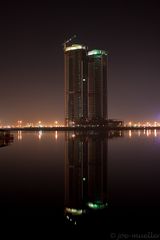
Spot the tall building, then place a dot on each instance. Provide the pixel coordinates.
(75, 84)
(85, 86)
(97, 86)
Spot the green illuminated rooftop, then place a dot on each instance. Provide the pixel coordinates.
(97, 205)
(97, 52)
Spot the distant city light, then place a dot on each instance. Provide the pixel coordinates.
(56, 123)
(19, 123)
(41, 124)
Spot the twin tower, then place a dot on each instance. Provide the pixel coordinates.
(85, 86)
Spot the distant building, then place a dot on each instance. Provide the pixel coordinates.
(97, 86)
(75, 84)
(115, 123)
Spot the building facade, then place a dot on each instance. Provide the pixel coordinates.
(97, 87)
(85, 86)
(76, 106)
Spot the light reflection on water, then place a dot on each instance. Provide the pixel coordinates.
(75, 175)
(19, 135)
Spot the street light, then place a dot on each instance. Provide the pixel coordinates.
(19, 123)
(39, 123)
(56, 122)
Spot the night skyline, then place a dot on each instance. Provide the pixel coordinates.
(32, 63)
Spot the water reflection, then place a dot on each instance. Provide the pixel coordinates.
(19, 135)
(109, 134)
(40, 135)
(140, 133)
(155, 132)
(56, 135)
(6, 138)
(108, 175)
(86, 173)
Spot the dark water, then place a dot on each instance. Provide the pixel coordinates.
(103, 180)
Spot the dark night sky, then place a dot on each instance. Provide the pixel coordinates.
(31, 57)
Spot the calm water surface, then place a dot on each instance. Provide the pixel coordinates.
(81, 178)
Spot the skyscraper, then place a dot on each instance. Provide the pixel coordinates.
(85, 86)
(97, 86)
(75, 84)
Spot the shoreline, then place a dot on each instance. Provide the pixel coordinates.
(78, 128)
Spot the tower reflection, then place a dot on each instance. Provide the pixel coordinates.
(86, 174)
(6, 138)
